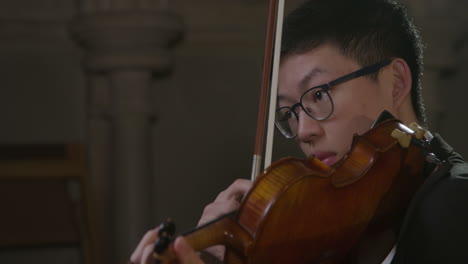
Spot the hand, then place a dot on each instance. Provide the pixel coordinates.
(143, 253)
(184, 253)
(227, 201)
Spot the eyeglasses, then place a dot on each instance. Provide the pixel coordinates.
(316, 102)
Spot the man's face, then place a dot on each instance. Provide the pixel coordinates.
(357, 103)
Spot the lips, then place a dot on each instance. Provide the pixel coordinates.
(328, 158)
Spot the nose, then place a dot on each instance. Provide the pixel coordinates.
(308, 129)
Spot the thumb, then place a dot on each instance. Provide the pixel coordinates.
(185, 253)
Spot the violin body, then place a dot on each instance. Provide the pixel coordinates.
(303, 211)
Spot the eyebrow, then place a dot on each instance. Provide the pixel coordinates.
(309, 76)
(302, 85)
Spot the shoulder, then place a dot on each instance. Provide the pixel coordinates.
(435, 229)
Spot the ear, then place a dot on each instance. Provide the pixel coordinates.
(401, 81)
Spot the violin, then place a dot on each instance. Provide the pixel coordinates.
(304, 211)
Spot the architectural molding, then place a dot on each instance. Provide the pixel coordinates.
(128, 40)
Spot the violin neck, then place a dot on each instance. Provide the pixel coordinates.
(222, 231)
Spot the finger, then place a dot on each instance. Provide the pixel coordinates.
(235, 191)
(221, 207)
(217, 209)
(185, 253)
(147, 255)
(217, 251)
(149, 238)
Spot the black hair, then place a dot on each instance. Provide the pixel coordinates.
(368, 31)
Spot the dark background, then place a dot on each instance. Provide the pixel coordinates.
(200, 131)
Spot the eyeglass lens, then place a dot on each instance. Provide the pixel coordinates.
(316, 103)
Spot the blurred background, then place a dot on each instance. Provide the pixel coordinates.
(119, 113)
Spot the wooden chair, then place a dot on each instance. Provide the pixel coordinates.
(43, 198)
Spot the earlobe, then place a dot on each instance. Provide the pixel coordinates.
(401, 82)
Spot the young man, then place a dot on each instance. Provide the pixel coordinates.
(377, 47)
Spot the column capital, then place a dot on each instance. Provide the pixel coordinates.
(133, 39)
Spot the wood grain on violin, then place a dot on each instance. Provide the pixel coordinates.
(303, 211)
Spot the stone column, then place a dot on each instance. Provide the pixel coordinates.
(126, 43)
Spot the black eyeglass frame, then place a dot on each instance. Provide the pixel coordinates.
(326, 87)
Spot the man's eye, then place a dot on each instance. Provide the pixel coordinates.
(318, 95)
(286, 115)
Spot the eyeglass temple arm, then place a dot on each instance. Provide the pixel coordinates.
(364, 71)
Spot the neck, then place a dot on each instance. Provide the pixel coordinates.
(406, 113)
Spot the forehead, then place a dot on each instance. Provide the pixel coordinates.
(299, 72)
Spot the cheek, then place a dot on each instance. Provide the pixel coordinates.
(361, 108)
(343, 136)
(342, 132)
(305, 148)
(374, 101)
